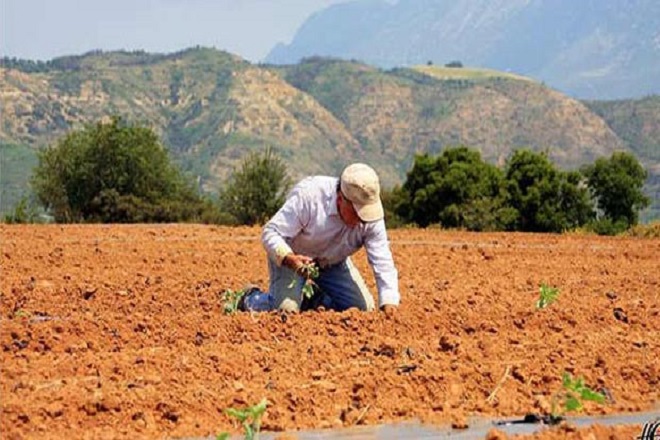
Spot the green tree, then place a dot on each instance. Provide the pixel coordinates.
(256, 190)
(392, 200)
(546, 199)
(616, 184)
(113, 172)
(456, 189)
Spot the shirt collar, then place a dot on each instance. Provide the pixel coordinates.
(331, 202)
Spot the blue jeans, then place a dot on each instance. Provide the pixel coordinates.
(340, 287)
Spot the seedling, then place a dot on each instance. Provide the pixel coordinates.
(231, 299)
(547, 295)
(309, 272)
(571, 396)
(20, 313)
(249, 417)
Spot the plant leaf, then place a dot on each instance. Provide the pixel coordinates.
(241, 415)
(593, 396)
(573, 404)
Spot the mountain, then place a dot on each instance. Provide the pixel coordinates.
(210, 108)
(591, 49)
(395, 114)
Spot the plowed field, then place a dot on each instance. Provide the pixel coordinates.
(118, 332)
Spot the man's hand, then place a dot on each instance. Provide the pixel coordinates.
(297, 263)
(388, 309)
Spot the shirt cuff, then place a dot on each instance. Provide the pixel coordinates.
(282, 251)
(389, 299)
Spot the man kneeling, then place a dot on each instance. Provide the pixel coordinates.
(323, 221)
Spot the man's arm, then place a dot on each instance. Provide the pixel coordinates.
(380, 258)
(285, 224)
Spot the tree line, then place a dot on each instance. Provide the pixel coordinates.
(457, 189)
(116, 172)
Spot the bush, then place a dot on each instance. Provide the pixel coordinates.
(256, 190)
(454, 189)
(113, 173)
(24, 212)
(652, 230)
(606, 226)
(546, 199)
(616, 184)
(392, 201)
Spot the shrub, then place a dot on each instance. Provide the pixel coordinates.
(113, 172)
(24, 212)
(605, 226)
(616, 183)
(453, 189)
(547, 200)
(651, 230)
(256, 190)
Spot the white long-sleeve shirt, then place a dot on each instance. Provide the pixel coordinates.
(309, 224)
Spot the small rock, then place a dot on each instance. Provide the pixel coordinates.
(459, 422)
(448, 344)
(494, 434)
(620, 315)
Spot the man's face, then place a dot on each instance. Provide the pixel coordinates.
(347, 211)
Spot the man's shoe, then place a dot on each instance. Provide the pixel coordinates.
(248, 290)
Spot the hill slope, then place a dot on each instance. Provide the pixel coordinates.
(397, 113)
(210, 108)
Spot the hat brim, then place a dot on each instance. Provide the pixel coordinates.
(371, 212)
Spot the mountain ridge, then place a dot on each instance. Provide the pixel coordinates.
(210, 108)
(606, 49)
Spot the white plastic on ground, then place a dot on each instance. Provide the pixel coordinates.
(478, 428)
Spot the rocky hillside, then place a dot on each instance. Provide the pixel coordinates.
(591, 49)
(398, 113)
(210, 108)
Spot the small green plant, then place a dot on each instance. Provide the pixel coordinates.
(571, 396)
(309, 271)
(24, 212)
(20, 313)
(249, 417)
(231, 299)
(547, 295)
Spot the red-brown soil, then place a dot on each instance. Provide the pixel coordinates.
(117, 331)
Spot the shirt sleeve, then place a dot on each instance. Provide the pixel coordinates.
(380, 258)
(287, 223)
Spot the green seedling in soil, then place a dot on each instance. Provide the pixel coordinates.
(571, 397)
(309, 272)
(20, 313)
(231, 299)
(547, 295)
(249, 417)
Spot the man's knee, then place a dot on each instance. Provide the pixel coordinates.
(289, 305)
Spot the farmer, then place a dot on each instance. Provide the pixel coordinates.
(323, 221)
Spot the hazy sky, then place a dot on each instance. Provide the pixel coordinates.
(44, 29)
